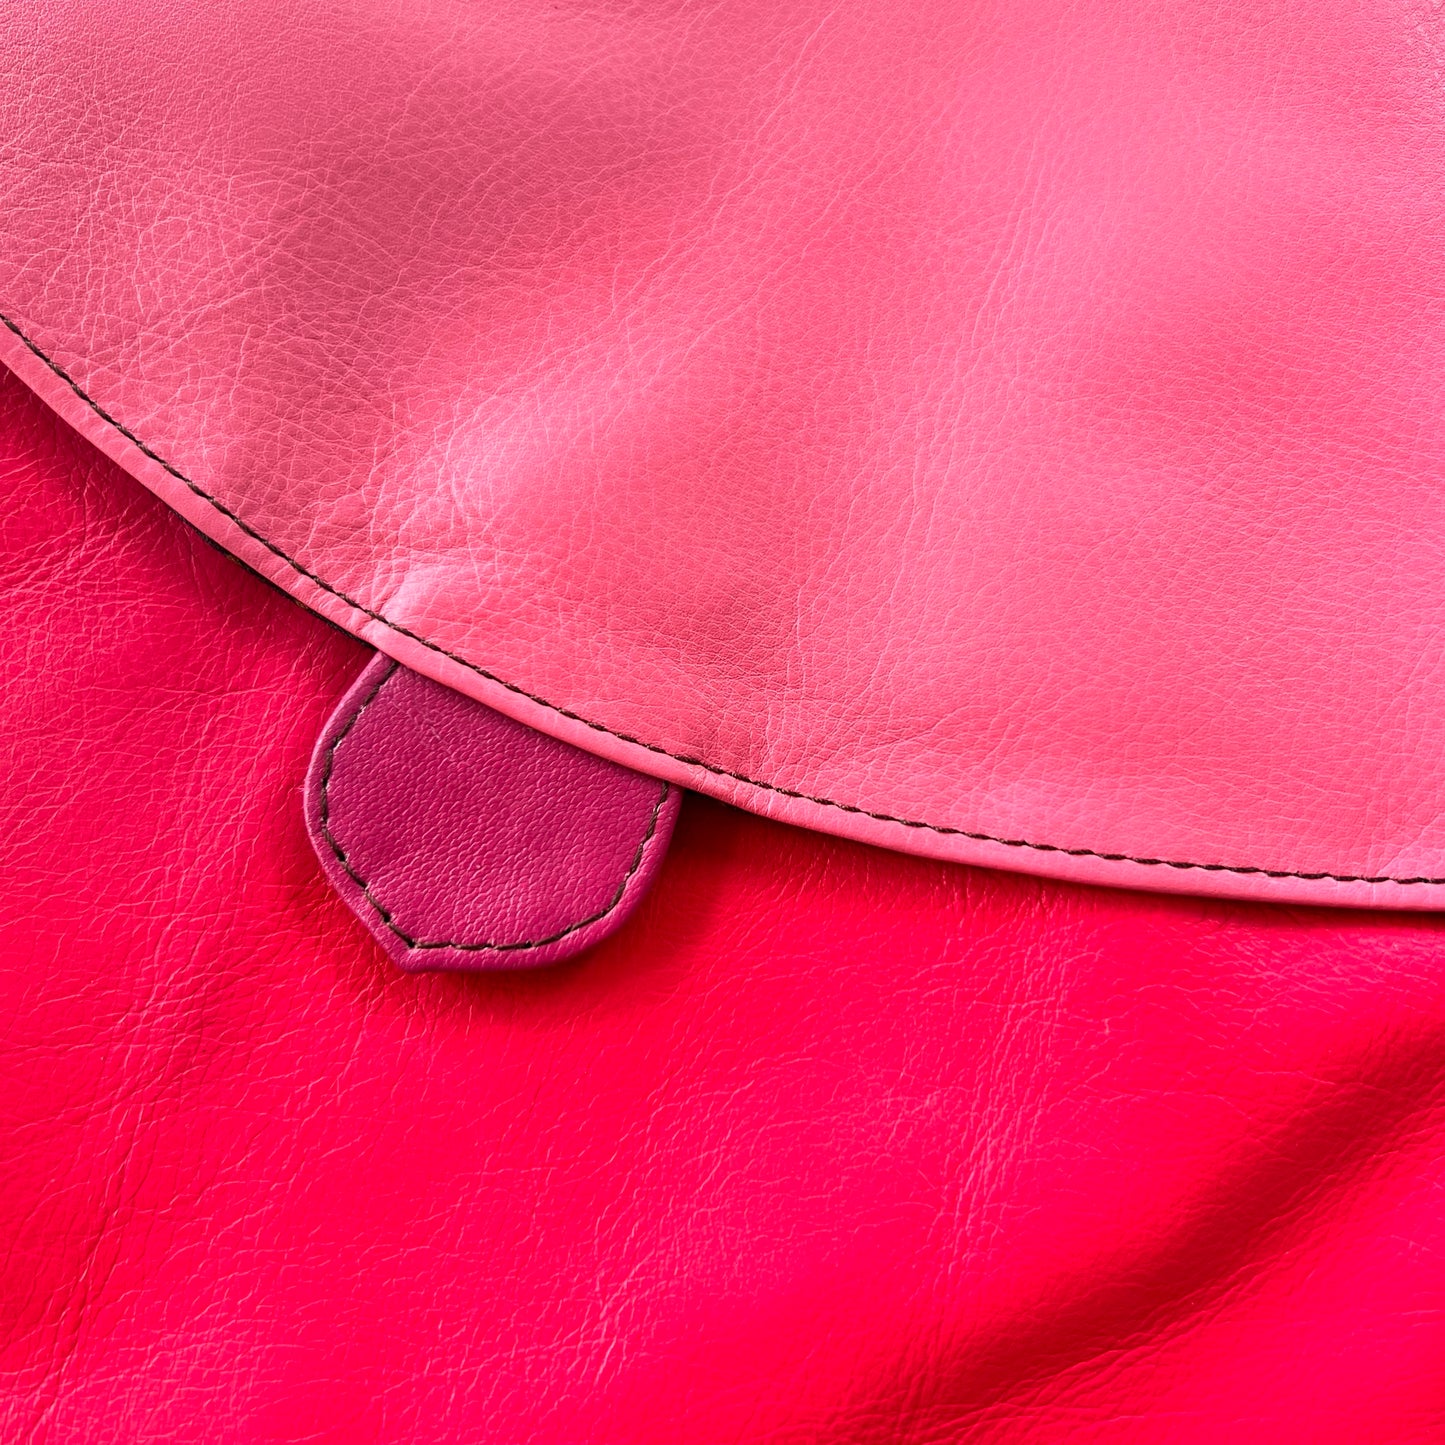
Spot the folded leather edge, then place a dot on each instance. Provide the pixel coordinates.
(68, 399)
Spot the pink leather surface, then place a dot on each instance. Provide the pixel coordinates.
(1004, 432)
(463, 839)
(826, 1144)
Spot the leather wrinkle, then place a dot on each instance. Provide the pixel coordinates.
(382, 912)
(691, 761)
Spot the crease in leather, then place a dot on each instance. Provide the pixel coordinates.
(1245, 870)
(385, 915)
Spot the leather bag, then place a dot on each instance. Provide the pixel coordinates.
(852, 591)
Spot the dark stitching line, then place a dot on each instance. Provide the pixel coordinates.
(385, 915)
(695, 762)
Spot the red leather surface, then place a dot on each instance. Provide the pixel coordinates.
(1007, 431)
(828, 1144)
(463, 839)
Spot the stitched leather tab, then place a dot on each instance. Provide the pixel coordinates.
(465, 840)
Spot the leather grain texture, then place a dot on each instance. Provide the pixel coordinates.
(463, 839)
(827, 1144)
(1009, 432)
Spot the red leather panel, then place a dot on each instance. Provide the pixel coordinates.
(827, 1144)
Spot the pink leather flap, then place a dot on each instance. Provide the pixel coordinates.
(1005, 432)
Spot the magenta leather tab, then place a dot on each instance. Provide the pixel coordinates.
(463, 839)
(1006, 432)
